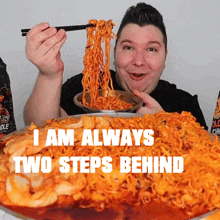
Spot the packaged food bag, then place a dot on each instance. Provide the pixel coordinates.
(216, 118)
(7, 121)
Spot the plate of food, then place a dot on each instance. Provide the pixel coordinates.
(114, 195)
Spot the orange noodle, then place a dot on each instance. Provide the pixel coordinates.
(96, 74)
(195, 190)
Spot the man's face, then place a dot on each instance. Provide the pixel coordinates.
(140, 57)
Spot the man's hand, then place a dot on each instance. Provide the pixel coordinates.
(151, 105)
(43, 49)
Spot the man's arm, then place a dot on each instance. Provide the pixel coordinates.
(44, 102)
(43, 49)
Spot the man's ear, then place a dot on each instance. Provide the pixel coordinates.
(166, 54)
(114, 55)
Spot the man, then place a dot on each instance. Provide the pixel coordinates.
(140, 55)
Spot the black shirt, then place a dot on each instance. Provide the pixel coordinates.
(167, 95)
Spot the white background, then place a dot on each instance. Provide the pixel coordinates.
(193, 29)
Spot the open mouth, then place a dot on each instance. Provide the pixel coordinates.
(137, 76)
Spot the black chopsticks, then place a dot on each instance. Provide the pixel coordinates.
(66, 28)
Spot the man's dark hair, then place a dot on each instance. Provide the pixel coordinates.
(143, 14)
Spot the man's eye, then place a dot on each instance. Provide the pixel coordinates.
(127, 48)
(152, 49)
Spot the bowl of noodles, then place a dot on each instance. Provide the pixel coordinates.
(119, 101)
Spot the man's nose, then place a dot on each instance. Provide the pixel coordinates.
(139, 58)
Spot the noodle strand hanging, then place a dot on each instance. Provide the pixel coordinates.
(96, 74)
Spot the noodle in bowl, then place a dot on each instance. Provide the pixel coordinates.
(135, 101)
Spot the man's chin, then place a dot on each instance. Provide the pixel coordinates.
(136, 88)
